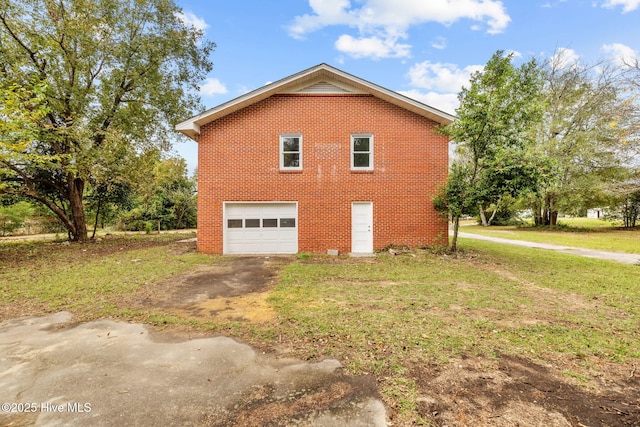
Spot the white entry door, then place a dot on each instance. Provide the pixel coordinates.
(362, 227)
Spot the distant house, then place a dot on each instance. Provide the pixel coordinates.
(320, 160)
(595, 213)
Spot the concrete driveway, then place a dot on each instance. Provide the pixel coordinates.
(106, 373)
(589, 253)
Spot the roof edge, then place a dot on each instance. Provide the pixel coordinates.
(191, 126)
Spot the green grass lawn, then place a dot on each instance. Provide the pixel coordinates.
(382, 316)
(385, 316)
(86, 279)
(576, 232)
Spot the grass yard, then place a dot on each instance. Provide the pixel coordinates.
(389, 316)
(87, 279)
(495, 336)
(576, 232)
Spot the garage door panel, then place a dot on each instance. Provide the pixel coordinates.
(261, 228)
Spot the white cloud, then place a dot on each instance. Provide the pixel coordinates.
(373, 47)
(621, 54)
(441, 77)
(213, 86)
(192, 20)
(447, 102)
(385, 20)
(553, 4)
(565, 58)
(627, 5)
(443, 82)
(439, 43)
(401, 14)
(327, 12)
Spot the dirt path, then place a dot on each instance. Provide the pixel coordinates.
(232, 289)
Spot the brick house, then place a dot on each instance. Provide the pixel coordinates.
(320, 160)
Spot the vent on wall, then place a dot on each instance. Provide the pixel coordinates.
(322, 87)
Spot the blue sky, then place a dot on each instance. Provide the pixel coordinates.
(425, 49)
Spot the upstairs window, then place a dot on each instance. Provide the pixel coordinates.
(361, 152)
(291, 151)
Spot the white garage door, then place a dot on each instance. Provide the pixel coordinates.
(261, 228)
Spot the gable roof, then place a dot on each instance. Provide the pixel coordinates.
(322, 78)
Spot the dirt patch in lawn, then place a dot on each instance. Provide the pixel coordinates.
(514, 391)
(234, 289)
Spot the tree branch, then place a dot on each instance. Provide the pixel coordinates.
(40, 65)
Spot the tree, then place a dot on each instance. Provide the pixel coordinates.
(13, 216)
(173, 199)
(454, 198)
(625, 198)
(165, 197)
(585, 135)
(105, 73)
(493, 122)
(105, 198)
(512, 173)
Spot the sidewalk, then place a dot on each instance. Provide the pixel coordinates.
(589, 253)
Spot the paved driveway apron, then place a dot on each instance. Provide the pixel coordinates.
(108, 373)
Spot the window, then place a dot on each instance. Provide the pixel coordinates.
(252, 223)
(234, 223)
(269, 223)
(266, 223)
(287, 222)
(362, 152)
(291, 151)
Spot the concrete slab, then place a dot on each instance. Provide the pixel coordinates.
(108, 373)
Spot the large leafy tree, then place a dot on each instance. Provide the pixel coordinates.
(89, 77)
(588, 134)
(493, 124)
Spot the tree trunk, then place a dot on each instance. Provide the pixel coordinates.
(95, 223)
(537, 215)
(536, 211)
(454, 240)
(483, 216)
(549, 214)
(179, 220)
(75, 188)
(492, 217)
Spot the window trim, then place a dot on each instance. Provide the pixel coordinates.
(290, 135)
(370, 152)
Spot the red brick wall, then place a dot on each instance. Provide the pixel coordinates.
(238, 160)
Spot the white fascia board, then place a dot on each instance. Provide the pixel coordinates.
(399, 99)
